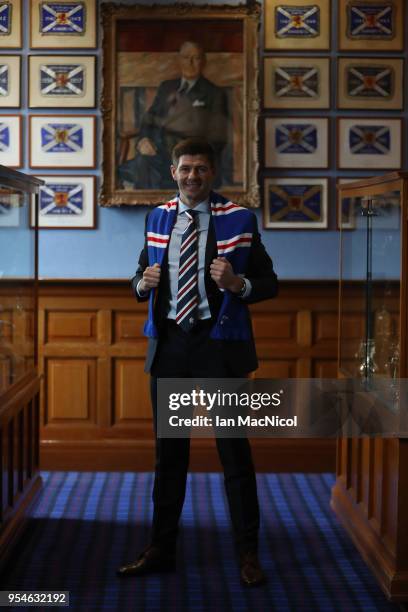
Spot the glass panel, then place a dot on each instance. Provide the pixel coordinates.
(353, 285)
(383, 306)
(17, 287)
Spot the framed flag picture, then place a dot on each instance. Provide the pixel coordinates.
(10, 77)
(370, 83)
(291, 82)
(66, 202)
(63, 24)
(295, 203)
(374, 25)
(296, 142)
(11, 141)
(297, 24)
(62, 141)
(10, 24)
(369, 144)
(58, 81)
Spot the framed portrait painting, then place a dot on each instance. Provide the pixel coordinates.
(10, 24)
(296, 142)
(62, 141)
(60, 24)
(296, 82)
(66, 202)
(369, 144)
(297, 24)
(10, 77)
(11, 141)
(61, 81)
(295, 203)
(371, 25)
(370, 83)
(171, 74)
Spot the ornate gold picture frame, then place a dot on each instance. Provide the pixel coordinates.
(172, 72)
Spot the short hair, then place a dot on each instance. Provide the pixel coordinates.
(192, 43)
(193, 146)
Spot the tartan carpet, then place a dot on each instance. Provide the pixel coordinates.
(87, 524)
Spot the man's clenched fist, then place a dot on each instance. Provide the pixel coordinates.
(151, 278)
(222, 273)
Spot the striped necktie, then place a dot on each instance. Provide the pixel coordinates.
(187, 294)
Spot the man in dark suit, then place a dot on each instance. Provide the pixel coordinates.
(202, 264)
(188, 107)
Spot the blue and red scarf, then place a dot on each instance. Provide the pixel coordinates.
(234, 227)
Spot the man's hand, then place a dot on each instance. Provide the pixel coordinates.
(222, 273)
(146, 147)
(151, 278)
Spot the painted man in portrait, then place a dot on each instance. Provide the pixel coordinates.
(190, 106)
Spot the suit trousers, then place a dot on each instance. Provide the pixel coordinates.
(187, 355)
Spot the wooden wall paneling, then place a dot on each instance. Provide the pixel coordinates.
(376, 519)
(18, 488)
(65, 326)
(389, 518)
(103, 369)
(282, 326)
(356, 450)
(274, 368)
(2, 471)
(11, 463)
(128, 326)
(303, 368)
(28, 415)
(367, 456)
(304, 328)
(131, 390)
(71, 391)
(378, 485)
(339, 460)
(324, 368)
(21, 451)
(5, 470)
(402, 509)
(36, 431)
(100, 323)
(325, 326)
(346, 468)
(5, 373)
(71, 322)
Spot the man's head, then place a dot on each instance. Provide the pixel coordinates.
(192, 60)
(193, 169)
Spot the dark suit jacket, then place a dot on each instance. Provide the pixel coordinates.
(240, 356)
(200, 113)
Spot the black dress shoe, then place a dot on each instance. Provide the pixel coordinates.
(151, 560)
(251, 572)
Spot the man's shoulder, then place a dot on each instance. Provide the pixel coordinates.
(168, 85)
(160, 209)
(220, 205)
(205, 84)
